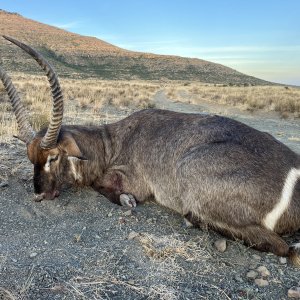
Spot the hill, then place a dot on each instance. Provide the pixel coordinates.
(81, 56)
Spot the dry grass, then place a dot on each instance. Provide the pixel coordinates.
(83, 100)
(169, 247)
(6, 294)
(107, 285)
(168, 253)
(270, 98)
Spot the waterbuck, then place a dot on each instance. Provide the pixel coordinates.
(213, 170)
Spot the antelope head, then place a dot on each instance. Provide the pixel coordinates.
(50, 149)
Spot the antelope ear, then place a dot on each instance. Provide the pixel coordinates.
(69, 145)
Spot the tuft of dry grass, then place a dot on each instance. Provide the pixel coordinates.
(6, 294)
(169, 247)
(106, 285)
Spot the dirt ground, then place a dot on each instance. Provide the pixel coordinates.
(81, 246)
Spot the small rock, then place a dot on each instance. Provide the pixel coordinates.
(77, 238)
(127, 213)
(132, 235)
(294, 292)
(238, 278)
(256, 257)
(253, 266)
(283, 260)
(33, 254)
(263, 271)
(261, 282)
(122, 220)
(221, 245)
(252, 274)
(187, 224)
(3, 184)
(280, 272)
(38, 197)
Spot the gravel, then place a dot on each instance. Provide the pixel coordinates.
(81, 246)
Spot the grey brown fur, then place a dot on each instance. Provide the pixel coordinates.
(213, 170)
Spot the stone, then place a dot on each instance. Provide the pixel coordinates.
(122, 220)
(261, 282)
(252, 274)
(256, 257)
(3, 184)
(33, 254)
(238, 278)
(263, 271)
(221, 245)
(132, 235)
(127, 213)
(253, 266)
(283, 260)
(294, 292)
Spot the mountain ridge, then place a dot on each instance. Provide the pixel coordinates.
(82, 56)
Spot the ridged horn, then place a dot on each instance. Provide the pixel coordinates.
(49, 141)
(26, 133)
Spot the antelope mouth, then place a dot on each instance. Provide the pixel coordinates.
(46, 196)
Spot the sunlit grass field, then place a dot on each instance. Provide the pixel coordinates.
(86, 98)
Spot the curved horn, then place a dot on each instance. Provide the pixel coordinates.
(25, 129)
(50, 139)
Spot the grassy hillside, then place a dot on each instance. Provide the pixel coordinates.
(80, 56)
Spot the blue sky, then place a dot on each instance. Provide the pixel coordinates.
(259, 38)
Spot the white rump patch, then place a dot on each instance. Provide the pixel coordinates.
(274, 215)
(77, 176)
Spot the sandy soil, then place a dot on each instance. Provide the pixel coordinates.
(81, 246)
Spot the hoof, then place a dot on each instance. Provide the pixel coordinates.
(127, 200)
